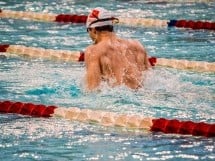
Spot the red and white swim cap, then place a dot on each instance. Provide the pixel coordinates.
(99, 17)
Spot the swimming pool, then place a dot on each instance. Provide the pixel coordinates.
(168, 92)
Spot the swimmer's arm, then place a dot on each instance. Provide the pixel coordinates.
(142, 57)
(146, 62)
(93, 72)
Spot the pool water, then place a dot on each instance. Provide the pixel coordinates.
(167, 92)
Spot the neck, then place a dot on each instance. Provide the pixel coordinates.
(103, 36)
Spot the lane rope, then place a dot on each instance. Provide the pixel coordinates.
(74, 18)
(48, 17)
(34, 52)
(196, 25)
(111, 119)
(77, 56)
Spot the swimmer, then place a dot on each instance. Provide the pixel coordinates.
(110, 58)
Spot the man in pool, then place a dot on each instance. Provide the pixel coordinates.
(110, 58)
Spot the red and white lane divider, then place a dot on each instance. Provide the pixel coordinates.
(75, 56)
(64, 55)
(111, 119)
(48, 17)
(74, 18)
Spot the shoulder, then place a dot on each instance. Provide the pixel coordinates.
(135, 45)
(91, 53)
(89, 49)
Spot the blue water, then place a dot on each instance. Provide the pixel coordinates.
(169, 93)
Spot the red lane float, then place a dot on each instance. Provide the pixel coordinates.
(71, 18)
(26, 109)
(3, 48)
(195, 25)
(183, 127)
(111, 119)
(81, 58)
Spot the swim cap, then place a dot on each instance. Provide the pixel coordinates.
(99, 17)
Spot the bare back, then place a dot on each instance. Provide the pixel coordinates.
(117, 61)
